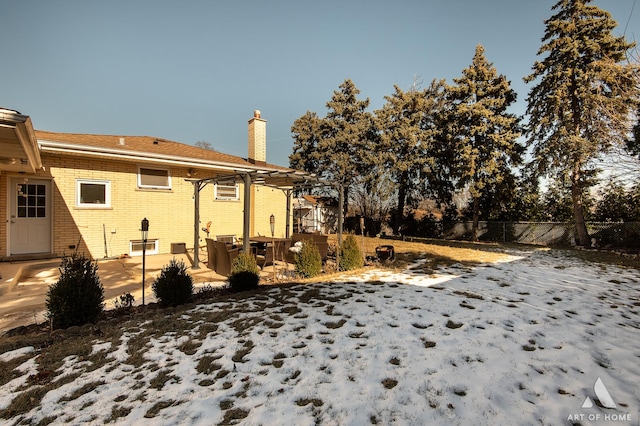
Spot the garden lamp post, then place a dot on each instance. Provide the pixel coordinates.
(272, 223)
(144, 227)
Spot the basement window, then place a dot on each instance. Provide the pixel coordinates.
(149, 178)
(94, 194)
(227, 191)
(135, 247)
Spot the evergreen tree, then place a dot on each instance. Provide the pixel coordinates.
(347, 134)
(498, 202)
(443, 161)
(558, 204)
(528, 203)
(633, 144)
(581, 103)
(485, 133)
(306, 135)
(408, 128)
(634, 200)
(340, 146)
(615, 204)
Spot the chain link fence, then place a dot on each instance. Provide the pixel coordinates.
(603, 234)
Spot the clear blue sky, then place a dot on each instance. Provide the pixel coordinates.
(196, 70)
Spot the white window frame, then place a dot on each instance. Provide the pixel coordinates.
(228, 186)
(153, 245)
(141, 186)
(107, 193)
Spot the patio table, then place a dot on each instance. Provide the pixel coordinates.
(267, 253)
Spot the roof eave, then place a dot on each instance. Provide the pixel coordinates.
(49, 146)
(25, 137)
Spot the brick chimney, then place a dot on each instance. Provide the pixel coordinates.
(257, 139)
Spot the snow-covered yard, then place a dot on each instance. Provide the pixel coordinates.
(517, 342)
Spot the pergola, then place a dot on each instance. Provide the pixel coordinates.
(286, 180)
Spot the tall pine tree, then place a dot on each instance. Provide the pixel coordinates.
(583, 98)
(306, 132)
(338, 147)
(408, 127)
(485, 133)
(347, 134)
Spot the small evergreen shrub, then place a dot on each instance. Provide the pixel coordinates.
(308, 260)
(77, 298)
(174, 286)
(245, 274)
(350, 254)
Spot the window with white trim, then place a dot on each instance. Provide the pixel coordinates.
(154, 178)
(135, 247)
(227, 191)
(93, 193)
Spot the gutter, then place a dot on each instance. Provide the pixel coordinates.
(48, 146)
(10, 116)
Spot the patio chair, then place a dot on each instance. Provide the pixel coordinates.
(229, 239)
(221, 256)
(265, 256)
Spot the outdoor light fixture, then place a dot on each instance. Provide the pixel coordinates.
(144, 228)
(7, 161)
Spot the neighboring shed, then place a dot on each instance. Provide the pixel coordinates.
(315, 214)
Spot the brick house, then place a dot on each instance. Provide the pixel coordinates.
(59, 191)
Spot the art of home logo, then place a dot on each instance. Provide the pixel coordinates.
(604, 400)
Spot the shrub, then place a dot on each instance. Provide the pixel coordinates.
(77, 297)
(245, 274)
(308, 260)
(350, 254)
(174, 286)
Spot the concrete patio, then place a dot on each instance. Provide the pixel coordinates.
(24, 285)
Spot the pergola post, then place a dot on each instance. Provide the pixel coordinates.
(246, 229)
(196, 226)
(287, 233)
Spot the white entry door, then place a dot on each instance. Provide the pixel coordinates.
(30, 216)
